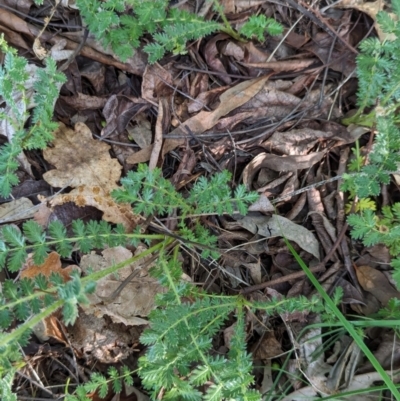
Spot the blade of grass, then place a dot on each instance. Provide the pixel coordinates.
(346, 324)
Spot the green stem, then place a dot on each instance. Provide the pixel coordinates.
(15, 334)
(227, 28)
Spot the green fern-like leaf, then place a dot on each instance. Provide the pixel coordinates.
(257, 25)
(14, 75)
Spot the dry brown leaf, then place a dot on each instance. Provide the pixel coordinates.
(141, 132)
(80, 101)
(156, 79)
(43, 214)
(50, 326)
(296, 141)
(85, 164)
(94, 72)
(98, 339)
(283, 65)
(205, 99)
(262, 204)
(137, 296)
(246, 53)
(376, 283)
(278, 163)
(119, 111)
(212, 56)
(230, 100)
(162, 123)
(80, 160)
(340, 59)
(52, 264)
(269, 347)
(272, 101)
(371, 8)
(278, 226)
(118, 213)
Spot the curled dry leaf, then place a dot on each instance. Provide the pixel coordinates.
(262, 204)
(278, 226)
(212, 56)
(58, 51)
(296, 141)
(94, 72)
(278, 163)
(156, 80)
(340, 58)
(205, 99)
(119, 111)
(283, 66)
(141, 132)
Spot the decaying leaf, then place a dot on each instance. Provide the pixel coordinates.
(278, 226)
(230, 100)
(85, 164)
(375, 282)
(50, 326)
(269, 347)
(18, 209)
(80, 160)
(278, 163)
(371, 8)
(98, 339)
(52, 264)
(141, 132)
(137, 297)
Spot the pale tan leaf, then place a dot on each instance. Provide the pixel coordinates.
(141, 132)
(18, 209)
(86, 165)
(80, 160)
(118, 213)
(137, 296)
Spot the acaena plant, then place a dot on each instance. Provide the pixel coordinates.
(378, 72)
(121, 24)
(180, 361)
(24, 87)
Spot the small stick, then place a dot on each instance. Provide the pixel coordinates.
(299, 274)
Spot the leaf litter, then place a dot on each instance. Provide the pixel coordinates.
(270, 113)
